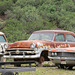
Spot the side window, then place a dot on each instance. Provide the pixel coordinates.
(60, 38)
(70, 38)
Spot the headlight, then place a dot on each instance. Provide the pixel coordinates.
(32, 45)
(53, 54)
(5, 46)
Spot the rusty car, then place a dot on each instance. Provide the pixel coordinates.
(39, 43)
(3, 44)
(63, 57)
(4, 70)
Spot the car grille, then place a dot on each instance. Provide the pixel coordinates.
(63, 54)
(20, 52)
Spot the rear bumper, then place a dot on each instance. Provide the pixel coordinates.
(63, 60)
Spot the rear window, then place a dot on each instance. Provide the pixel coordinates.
(70, 38)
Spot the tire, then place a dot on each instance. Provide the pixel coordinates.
(60, 66)
(8, 73)
(38, 64)
(70, 67)
(42, 59)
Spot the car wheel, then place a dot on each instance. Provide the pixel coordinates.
(70, 67)
(42, 59)
(39, 64)
(60, 66)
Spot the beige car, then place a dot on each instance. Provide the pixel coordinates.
(63, 57)
(3, 44)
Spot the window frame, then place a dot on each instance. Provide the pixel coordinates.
(4, 38)
(60, 34)
(66, 37)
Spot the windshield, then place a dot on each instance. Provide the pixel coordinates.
(42, 36)
(2, 39)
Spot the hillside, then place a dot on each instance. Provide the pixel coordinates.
(19, 18)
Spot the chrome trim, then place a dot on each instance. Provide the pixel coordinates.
(22, 56)
(69, 58)
(32, 52)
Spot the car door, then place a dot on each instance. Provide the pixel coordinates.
(60, 41)
(70, 40)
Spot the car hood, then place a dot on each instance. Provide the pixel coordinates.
(27, 43)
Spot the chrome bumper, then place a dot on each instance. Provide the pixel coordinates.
(34, 54)
(19, 56)
(66, 58)
(63, 60)
(22, 56)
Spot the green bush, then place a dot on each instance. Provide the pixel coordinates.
(25, 16)
(5, 5)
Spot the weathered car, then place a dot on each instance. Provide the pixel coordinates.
(37, 46)
(63, 57)
(3, 44)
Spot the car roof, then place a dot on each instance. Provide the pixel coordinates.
(1, 33)
(55, 31)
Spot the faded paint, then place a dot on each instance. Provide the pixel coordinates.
(41, 45)
(3, 44)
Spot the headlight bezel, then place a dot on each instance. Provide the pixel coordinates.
(32, 45)
(5, 46)
(54, 54)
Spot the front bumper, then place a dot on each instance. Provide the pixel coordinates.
(63, 60)
(23, 54)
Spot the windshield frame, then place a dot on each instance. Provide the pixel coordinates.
(4, 38)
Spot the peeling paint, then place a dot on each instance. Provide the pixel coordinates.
(41, 45)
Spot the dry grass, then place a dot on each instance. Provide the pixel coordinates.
(48, 69)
